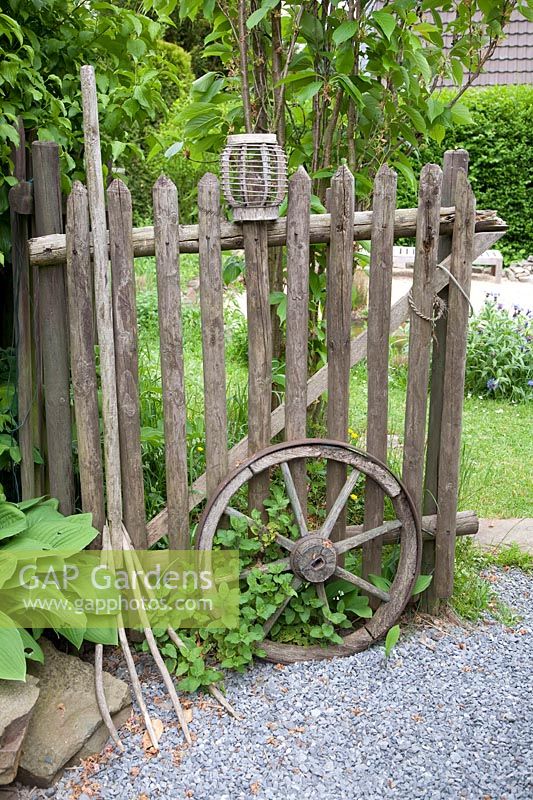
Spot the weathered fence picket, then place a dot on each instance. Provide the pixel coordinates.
(379, 303)
(421, 301)
(172, 371)
(453, 390)
(338, 328)
(23, 330)
(454, 160)
(213, 349)
(82, 364)
(53, 324)
(296, 353)
(126, 359)
(259, 351)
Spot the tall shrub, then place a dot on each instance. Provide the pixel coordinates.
(499, 138)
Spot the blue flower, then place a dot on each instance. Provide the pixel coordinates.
(530, 383)
(492, 384)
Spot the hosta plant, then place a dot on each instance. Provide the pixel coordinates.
(27, 530)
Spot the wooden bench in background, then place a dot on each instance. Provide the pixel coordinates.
(404, 257)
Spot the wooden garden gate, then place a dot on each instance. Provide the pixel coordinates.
(55, 313)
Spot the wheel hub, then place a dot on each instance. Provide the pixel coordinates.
(314, 558)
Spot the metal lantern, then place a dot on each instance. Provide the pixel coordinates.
(254, 176)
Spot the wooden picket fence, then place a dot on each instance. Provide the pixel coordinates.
(56, 340)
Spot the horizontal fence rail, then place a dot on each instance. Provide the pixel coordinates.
(49, 250)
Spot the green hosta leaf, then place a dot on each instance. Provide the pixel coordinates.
(70, 534)
(101, 635)
(27, 504)
(422, 583)
(345, 31)
(7, 568)
(32, 649)
(12, 658)
(391, 639)
(12, 520)
(386, 22)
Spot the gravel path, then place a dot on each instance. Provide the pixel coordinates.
(450, 716)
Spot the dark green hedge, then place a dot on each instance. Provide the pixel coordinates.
(500, 143)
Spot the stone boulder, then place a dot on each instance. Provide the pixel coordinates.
(17, 702)
(66, 718)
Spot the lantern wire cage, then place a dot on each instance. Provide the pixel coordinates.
(254, 176)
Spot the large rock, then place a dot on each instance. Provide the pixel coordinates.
(17, 701)
(66, 716)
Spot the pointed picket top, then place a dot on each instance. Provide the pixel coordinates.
(300, 178)
(117, 186)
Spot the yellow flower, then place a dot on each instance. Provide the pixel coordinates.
(354, 496)
(200, 449)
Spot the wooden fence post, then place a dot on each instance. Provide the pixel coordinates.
(379, 311)
(259, 353)
(454, 382)
(338, 326)
(23, 333)
(172, 373)
(103, 304)
(421, 330)
(453, 161)
(126, 360)
(53, 328)
(82, 363)
(213, 350)
(297, 322)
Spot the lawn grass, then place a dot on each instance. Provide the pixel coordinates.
(497, 462)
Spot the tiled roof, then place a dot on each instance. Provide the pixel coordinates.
(512, 61)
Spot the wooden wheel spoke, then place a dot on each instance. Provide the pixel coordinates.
(295, 500)
(366, 536)
(265, 567)
(283, 541)
(296, 583)
(367, 587)
(321, 592)
(339, 504)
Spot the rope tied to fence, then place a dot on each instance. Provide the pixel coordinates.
(439, 309)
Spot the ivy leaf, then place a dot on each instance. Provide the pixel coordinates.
(386, 22)
(345, 31)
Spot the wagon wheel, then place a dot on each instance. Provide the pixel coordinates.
(313, 557)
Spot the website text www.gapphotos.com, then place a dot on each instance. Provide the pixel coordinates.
(156, 588)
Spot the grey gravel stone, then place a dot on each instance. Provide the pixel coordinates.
(447, 724)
